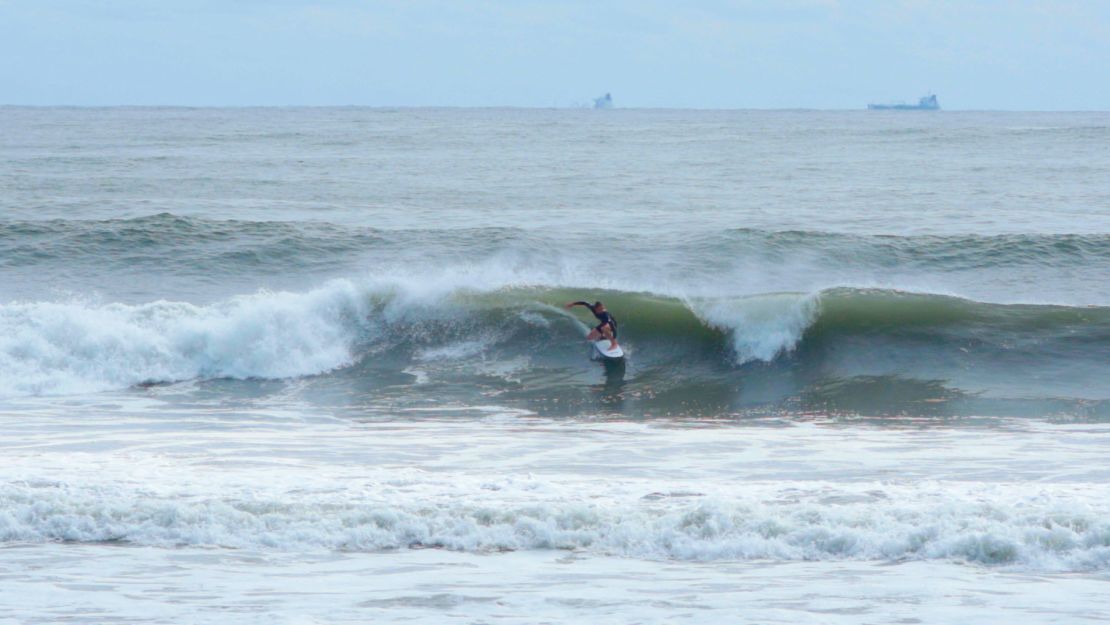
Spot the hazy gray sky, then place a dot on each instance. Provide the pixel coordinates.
(986, 54)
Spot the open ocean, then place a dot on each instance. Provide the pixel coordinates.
(310, 365)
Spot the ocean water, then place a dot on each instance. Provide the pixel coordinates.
(311, 366)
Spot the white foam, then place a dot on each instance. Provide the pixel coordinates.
(76, 347)
(455, 351)
(760, 327)
(982, 524)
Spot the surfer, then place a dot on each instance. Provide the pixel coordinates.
(608, 326)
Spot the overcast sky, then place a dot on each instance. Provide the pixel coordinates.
(975, 54)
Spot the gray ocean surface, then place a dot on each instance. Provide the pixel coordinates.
(249, 356)
(868, 262)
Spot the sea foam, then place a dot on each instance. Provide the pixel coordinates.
(51, 348)
(760, 327)
(981, 524)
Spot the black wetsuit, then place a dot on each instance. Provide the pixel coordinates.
(605, 318)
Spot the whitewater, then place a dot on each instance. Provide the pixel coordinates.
(313, 366)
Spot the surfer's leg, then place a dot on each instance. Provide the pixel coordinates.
(607, 332)
(594, 335)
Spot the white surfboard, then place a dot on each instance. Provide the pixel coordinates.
(602, 348)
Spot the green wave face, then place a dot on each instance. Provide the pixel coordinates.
(853, 351)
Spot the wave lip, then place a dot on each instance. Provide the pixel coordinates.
(760, 328)
(64, 348)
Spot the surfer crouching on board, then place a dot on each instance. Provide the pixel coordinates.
(608, 326)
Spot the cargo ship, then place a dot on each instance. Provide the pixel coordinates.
(927, 103)
(604, 102)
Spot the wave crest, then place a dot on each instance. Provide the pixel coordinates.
(64, 348)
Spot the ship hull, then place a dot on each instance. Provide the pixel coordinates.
(901, 107)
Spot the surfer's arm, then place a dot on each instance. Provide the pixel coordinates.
(573, 304)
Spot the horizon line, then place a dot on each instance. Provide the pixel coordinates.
(531, 107)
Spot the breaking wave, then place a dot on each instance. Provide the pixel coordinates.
(67, 348)
(982, 524)
(75, 347)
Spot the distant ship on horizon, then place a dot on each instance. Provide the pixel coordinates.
(926, 103)
(604, 102)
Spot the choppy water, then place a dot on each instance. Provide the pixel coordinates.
(328, 344)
